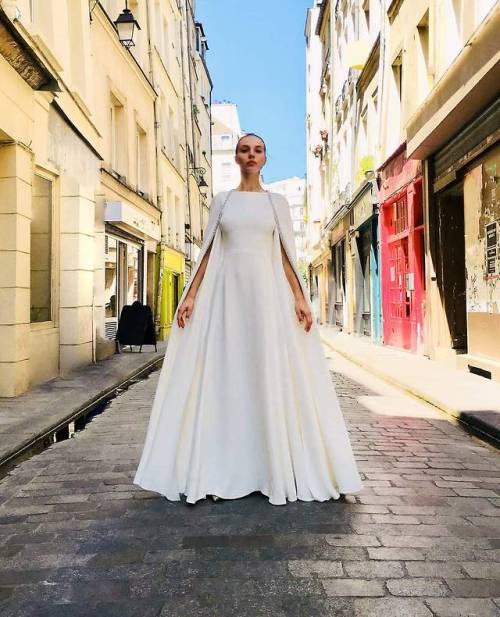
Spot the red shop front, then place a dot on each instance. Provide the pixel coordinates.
(402, 251)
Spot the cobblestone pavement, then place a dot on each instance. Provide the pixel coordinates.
(423, 538)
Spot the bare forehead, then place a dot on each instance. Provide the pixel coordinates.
(251, 141)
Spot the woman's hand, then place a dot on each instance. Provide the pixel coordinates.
(303, 313)
(185, 311)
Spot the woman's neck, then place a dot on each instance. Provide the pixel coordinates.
(249, 184)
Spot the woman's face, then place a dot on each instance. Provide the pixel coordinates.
(251, 155)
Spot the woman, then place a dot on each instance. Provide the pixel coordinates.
(244, 400)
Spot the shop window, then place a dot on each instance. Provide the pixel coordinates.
(134, 274)
(41, 250)
(150, 280)
(110, 277)
(176, 292)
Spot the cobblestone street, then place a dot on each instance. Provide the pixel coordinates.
(79, 539)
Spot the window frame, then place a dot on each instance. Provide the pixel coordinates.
(53, 322)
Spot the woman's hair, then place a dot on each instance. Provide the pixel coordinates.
(248, 135)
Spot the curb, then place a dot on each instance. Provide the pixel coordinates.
(46, 437)
(468, 420)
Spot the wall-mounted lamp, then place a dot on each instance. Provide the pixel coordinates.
(127, 27)
(198, 173)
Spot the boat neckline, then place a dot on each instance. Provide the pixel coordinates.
(253, 192)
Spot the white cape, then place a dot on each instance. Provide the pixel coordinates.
(319, 448)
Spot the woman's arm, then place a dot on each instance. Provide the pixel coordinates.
(291, 276)
(186, 307)
(193, 290)
(302, 309)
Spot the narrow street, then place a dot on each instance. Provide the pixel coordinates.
(423, 538)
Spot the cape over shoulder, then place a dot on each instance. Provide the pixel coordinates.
(281, 209)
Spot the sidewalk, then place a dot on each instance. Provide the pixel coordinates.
(469, 398)
(27, 421)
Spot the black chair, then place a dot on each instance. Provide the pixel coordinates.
(136, 326)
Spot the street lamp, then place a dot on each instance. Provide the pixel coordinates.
(198, 173)
(127, 27)
(202, 184)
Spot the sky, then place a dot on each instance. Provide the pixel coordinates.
(256, 59)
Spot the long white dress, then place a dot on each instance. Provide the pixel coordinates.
(237, 413)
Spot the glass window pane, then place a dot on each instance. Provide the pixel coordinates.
(41, 250)
(111, 278)
(133, 274)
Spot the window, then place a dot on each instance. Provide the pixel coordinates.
(41, 250)
(166, 42)
(364, 127)
(118, 136)
(400, 216)
(424, 78)
(366, 13)
(397, 71)
(483, 7)
(110, 276)
(179, 223)
(134, 274)
(141, 155)
(375, 100)
(76, 29)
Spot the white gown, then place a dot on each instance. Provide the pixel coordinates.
(246, 419)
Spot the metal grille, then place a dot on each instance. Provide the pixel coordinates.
(400, 216)
(110, 329)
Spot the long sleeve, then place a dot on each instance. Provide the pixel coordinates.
(287, 227)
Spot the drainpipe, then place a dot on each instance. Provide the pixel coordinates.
(189, 19)
(381, 124)
(184, 14)
(159, 187)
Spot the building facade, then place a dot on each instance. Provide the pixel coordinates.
(319, 167)
(94, 166)
(343, 57)
(414, 218)
(294, 190)
(455, 133)
(226, 131)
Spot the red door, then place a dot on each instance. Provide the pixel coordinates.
(402, 268)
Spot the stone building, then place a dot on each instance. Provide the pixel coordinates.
(412, 216)
(94, 163)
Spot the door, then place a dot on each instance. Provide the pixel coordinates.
(451, 272)
(402, 268)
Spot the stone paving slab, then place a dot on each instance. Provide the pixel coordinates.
(25, 418)
(469, 398)
(78, 538)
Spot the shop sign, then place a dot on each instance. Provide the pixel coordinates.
(363, 209)
(492, 249)
(338, 233)
(132, 219)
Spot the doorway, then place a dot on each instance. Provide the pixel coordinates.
(450, 260)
